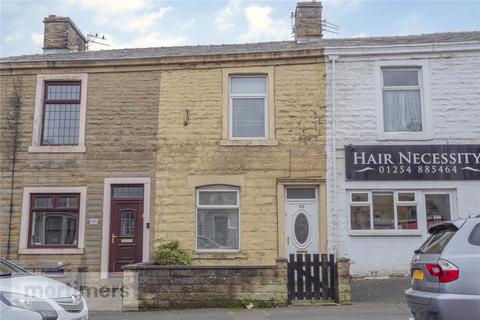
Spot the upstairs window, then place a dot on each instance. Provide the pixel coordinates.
(248, 107)
(402, 99)
(61, 113)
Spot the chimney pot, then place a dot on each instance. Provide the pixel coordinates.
(308, 22)
(61, 35)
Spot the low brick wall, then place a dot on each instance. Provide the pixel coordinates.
(153, 286)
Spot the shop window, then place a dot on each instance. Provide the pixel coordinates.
(383, 210)
(438, 208)
(218, 211)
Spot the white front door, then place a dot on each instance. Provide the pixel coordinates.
(301, 221)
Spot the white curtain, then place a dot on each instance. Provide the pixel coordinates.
(402, 110)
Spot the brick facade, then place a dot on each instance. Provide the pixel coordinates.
(121, 129)
(454, 117)
(135, 128)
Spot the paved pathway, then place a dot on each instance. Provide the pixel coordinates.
(358, 311)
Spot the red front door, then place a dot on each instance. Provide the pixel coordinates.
(126, 233)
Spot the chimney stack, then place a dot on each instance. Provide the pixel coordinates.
(308, 22)
(62, 36)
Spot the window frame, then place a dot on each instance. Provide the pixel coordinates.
(451, 198)
(217, 188)
(423, 83)
(54, 209)
(421, 210)
(47, 101)
(25, 246)
(37, 145)
(269, 138)
(396, 204)
(263, 96)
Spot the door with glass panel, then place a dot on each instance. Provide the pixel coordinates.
(301, 223)
(126, 226)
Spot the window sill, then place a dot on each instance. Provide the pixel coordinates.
(57, 149)
(219, 255)
(267, 142)
(369, 233)
(51, 251)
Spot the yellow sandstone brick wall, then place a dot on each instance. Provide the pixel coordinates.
(194, 150)
(135, 127)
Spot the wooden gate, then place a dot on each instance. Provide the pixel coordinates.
(311, 277)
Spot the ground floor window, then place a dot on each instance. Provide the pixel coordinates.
(397, 209)
(218, 210)
(54, 220)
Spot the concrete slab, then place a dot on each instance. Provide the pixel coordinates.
(389, 290)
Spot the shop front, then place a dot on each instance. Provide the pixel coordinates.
(395, 193)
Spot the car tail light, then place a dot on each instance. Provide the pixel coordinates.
(444, 270)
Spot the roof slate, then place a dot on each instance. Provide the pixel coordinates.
(263, 47)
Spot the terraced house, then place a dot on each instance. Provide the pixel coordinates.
(107, 154)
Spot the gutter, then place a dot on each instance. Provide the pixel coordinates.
(404, 48)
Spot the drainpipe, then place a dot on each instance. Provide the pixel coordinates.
(333, 59)
(15, 124)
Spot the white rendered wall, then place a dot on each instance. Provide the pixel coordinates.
(455, 105)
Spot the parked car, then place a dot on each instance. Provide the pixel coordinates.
(26, 296)
(446, 273)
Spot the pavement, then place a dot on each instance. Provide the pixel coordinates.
(367, 311)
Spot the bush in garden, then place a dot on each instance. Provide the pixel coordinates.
(170, 254)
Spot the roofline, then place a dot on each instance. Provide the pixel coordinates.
(403, 48)
(166, 60)
(249, 56)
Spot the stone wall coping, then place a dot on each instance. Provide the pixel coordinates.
(153, 266)
(343, 259)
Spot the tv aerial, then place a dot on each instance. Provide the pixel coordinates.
(97, 39)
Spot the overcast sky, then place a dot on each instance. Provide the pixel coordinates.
(144, 23)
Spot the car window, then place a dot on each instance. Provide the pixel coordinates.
(437, 241)
(474, 237)
(8, 268)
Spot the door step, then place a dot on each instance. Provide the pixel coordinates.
(313, 303)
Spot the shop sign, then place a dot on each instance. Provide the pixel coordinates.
(413, 162)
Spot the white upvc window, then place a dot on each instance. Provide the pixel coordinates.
(390, 212)
(218, 218)
(383, 210)
(248, 107)
(403, 100)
